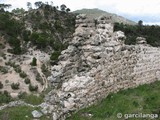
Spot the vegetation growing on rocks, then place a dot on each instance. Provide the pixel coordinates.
(1, 85)
(151, 33)
(27, 80)
(5, 97)
(143, 99)
(45, 70)
(35, 33)
(15, 86)
(43, 26)
(22, 74)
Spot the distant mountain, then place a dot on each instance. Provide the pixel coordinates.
(94, 13)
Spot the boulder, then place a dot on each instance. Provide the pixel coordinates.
(141, 40)
(36, 114)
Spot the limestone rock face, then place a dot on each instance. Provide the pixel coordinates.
(141, 40)
(96, 63)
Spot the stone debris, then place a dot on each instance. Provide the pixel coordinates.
(36, 114)
(14, 104)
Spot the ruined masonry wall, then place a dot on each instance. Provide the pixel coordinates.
(96, 63)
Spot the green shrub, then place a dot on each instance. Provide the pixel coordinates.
(22, 95)
(18, 69)
(33, 88)
(33, 99)
(34, 37)
(3, 55)
(39, 79)
(27, 80)
(151, 33)
(17, 50)
(26, 35)
(58, 46)
(8, 63)
(15, 65)
(45, 70)
(34, 62)
(1, 85)
(23, 74)
(55, 55)
(30, 98)
(57, 24)
(15, 86)
(40, 39)
(15, 43)
(6, 81)
(12, 64)
(10, 51)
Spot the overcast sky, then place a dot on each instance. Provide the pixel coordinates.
(146, 10)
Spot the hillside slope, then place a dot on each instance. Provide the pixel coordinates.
(94, 13)
(30, 41)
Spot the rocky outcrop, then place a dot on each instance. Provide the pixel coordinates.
(96, 63)
(141, 40)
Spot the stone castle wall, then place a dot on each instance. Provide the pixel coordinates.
(96, 63)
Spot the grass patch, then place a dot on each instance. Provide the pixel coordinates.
(55, 55)
(19, 113)
(31, 99)
(143, 99)
(5, 97)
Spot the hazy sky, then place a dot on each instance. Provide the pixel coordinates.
(146, 10)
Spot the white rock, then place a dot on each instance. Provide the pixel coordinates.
(36, 114)
(76, 83)
(55, 117)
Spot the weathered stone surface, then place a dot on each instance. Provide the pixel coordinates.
(36, 114)
(96, 63)
(141, 40)
(14, 104)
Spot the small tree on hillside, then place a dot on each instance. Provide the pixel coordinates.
(38, 4)
(140, 23)
(29, 5)
(33, 88)
(34, 62)
(63, 7)
(1, 85)
(18, 10)
(68, 10)
(15, 86)
(5, 6)
(51, 3)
